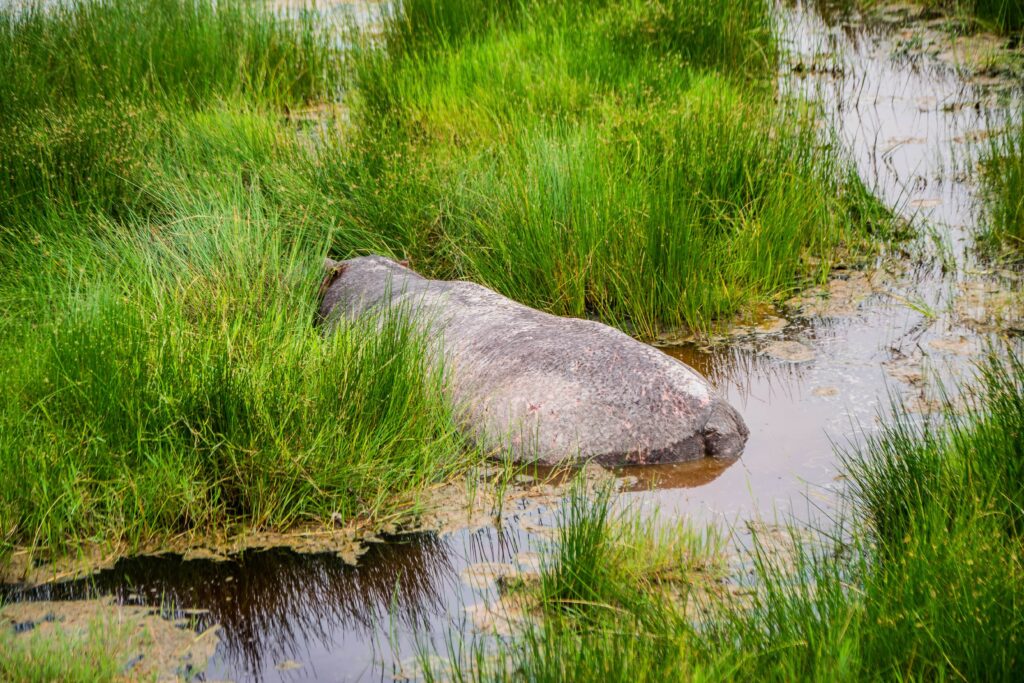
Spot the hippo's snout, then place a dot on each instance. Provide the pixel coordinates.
(725, 433)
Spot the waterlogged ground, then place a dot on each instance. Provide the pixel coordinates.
(910, 103)
(822, 369)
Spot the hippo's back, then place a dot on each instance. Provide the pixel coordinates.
(548, 388)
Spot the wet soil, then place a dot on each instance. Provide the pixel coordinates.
(910, 100)
(143, 644)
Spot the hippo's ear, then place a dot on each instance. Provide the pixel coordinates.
(334, 270)
(405, 263)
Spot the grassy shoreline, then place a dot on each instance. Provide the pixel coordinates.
(924, 583)
(162, 370)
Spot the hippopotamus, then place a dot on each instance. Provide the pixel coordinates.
(543, 388)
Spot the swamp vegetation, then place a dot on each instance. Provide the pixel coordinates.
(922, 582)
(1004, 191)
(172, 174)
(166, 206)
(629, 161)
(163, 373)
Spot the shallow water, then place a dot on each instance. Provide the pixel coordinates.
(286, 616)
(907, 121)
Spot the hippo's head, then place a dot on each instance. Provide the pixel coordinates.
(725, 433)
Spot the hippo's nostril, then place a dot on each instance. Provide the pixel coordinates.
(725, 434)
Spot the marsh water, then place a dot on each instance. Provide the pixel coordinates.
(911, 123)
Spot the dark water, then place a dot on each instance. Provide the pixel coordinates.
(906, 120)
(341, 623)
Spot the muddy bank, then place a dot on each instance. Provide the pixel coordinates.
(476, 501)
(286, 613)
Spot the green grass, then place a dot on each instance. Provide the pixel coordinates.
(175, 380)
(1003, 189)
(162, 371)
(62, 657)
(621, 160)
(924, 583)
(87, 84)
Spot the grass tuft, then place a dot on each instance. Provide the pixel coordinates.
(626, 161)
(1003, 189)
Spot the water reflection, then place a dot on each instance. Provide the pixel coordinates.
(682, 475)
(278, 609)
(273, 604)
(906, 120)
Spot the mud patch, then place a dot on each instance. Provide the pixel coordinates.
(790, 351)
(427, 667)
(143, 644)
(505, 616)
(472, 503)
(991, 305)
(288, 665)
(955, 344)
(770, 324)
(537, 528)
(840, 298)
(348, 543)
(484, 575)
(779, 545)
(906, 370)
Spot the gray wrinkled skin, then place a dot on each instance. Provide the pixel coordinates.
(547, 389)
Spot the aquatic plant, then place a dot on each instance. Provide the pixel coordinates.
(1003, 189)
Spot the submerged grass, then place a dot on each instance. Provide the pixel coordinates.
(926, 587)
(1003, 189)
